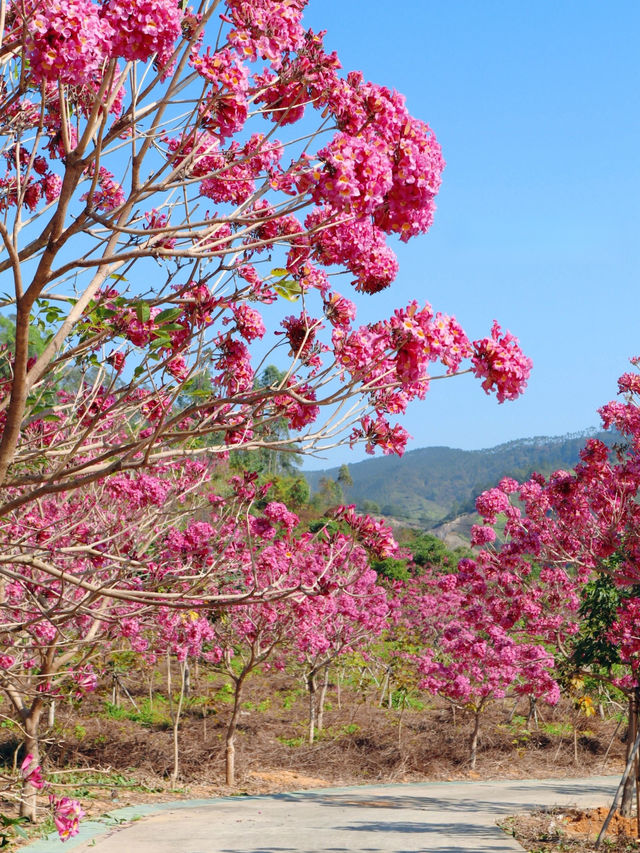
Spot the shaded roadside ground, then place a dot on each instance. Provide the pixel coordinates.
(446, 817)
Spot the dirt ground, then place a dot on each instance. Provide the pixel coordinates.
(573, 831)
(122, 761)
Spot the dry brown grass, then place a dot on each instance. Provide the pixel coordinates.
(361, 741)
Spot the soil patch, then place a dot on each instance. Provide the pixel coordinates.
(572, 831)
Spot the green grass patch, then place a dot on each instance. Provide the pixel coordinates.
(293, 741)
(224, 694)
(152, 713)
(557, 729)
(403, 699)
(257, 706)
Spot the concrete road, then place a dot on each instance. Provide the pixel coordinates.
(446, 817)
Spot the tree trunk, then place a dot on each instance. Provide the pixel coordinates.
(385, 686)
(474, 739)
(626, 806)
(175, 719)
(311, 687)
(30, 723)
(323, 696)
(230, 747)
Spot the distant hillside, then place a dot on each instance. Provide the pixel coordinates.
(437, 484)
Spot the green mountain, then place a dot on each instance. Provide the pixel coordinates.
(433, 485)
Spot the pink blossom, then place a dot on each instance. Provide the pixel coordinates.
(248, 321)
(481, 535)
(502, 364)
(32, 772)
(67, 814)
(143, 27)
(86, 679)
(68, 40)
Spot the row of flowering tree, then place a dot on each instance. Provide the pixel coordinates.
(579, 524)
(579, 531)
(182, 188)
(268, 579)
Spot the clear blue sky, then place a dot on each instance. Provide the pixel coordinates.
(536, 107)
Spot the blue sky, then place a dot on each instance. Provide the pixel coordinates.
(536, 107)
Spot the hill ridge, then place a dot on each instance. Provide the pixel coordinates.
(430, 485)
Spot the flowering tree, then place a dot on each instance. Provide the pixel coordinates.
(343, 619)
(342, 606)
(139, 141)
(587, 519)
(478, 635)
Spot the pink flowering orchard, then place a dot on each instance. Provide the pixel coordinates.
(187, 194)
(140, 561)
(574, 526)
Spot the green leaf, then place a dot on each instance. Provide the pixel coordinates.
(279, 272)
(143, 312)
(117, 277)
(289, 289)
(168, 315)
(160, 340)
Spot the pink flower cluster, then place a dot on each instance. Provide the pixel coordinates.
(357, 175)
(108, 194)
(32, 772)
(296, 404)
(378, 432)
(502, 364)
(67, 814)
(142, 28)
(491, 503)
(418, 164)
(356, 244)
(31, 188)
(234, 364)
(225, 107)
(374, 535)
(68, 40)
(266, 28)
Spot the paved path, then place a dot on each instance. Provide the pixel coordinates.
(446, 817)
